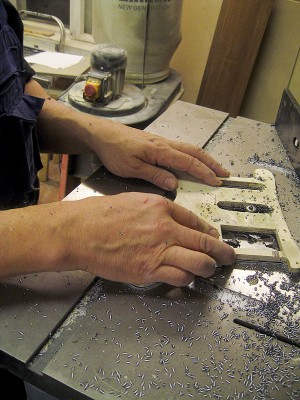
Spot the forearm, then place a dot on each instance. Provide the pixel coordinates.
(31, 239)
(64, 130)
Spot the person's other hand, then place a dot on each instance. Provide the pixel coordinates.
(132, 153)
(140, 238)
(125, 151)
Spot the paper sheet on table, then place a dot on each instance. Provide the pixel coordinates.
(53, 59)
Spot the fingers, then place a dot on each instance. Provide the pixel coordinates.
(199, 165)
(195, 167)
(194, 262)
(192, 232)
(201, 155)
(222, 253)
(166, 180)
(190, 220)
(198, 250)
(158, 176)
(172, 275)
(183, 162)
(180, 265)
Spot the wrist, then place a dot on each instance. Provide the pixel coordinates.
(33, 240)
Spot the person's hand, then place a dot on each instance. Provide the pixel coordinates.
(132, 237)
(139, 154)
(140, 238)
(125, 151)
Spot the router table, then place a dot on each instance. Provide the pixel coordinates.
(233, 336)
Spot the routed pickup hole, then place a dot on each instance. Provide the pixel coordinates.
(244, 207)
(227, 183)
(249, 239)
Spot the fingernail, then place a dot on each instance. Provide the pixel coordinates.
(171, 183)
(232, 258)
(213, 269)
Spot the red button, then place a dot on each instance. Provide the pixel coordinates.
(89, 90)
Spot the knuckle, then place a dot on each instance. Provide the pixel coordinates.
(204, 265)
(201, 153)
(161, 203)
(193, 220)
(156, 146)
(164, 226)
(192, 162)
(158, 175)
(205, 243)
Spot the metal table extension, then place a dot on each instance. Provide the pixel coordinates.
(234, 336)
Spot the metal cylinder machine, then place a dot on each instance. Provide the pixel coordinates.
(130, 80)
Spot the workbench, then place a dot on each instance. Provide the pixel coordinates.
(233, 336)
